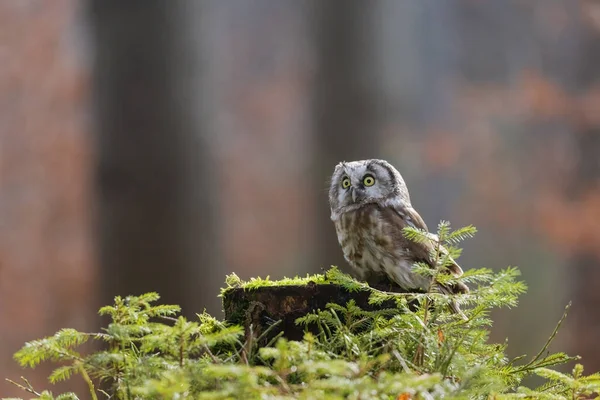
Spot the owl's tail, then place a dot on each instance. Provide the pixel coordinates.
(455, 288)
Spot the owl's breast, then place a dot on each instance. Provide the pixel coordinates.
(366, 239)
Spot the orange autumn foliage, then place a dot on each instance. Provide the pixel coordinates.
(572, 225)
(543, 98)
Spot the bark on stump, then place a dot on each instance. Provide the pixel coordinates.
(257, 309)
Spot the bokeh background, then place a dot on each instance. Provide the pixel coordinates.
(159, 145)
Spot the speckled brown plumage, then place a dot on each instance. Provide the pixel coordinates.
(370, 205)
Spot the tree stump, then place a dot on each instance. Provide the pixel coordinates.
(259, 308)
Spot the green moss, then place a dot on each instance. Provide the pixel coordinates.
(235, 282)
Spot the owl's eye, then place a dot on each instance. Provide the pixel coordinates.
(368, 180)
(346, 183)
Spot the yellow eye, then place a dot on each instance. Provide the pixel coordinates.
(346, 183)
(368, 180)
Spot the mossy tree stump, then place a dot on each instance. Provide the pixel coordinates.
(259, 308)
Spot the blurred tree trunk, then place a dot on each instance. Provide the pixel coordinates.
(155, 206)
(584, 266)
(345, 112)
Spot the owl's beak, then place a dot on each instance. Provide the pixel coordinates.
(357, 194)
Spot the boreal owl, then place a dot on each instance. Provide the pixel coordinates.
(370, 206)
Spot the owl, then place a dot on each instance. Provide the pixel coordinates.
(370, 206)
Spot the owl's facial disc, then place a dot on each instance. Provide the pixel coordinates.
(358, 183)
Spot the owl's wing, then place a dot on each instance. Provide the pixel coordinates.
(405, 215)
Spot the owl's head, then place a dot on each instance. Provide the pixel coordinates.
(358, 183)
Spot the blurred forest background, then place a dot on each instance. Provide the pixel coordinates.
(159, 145)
